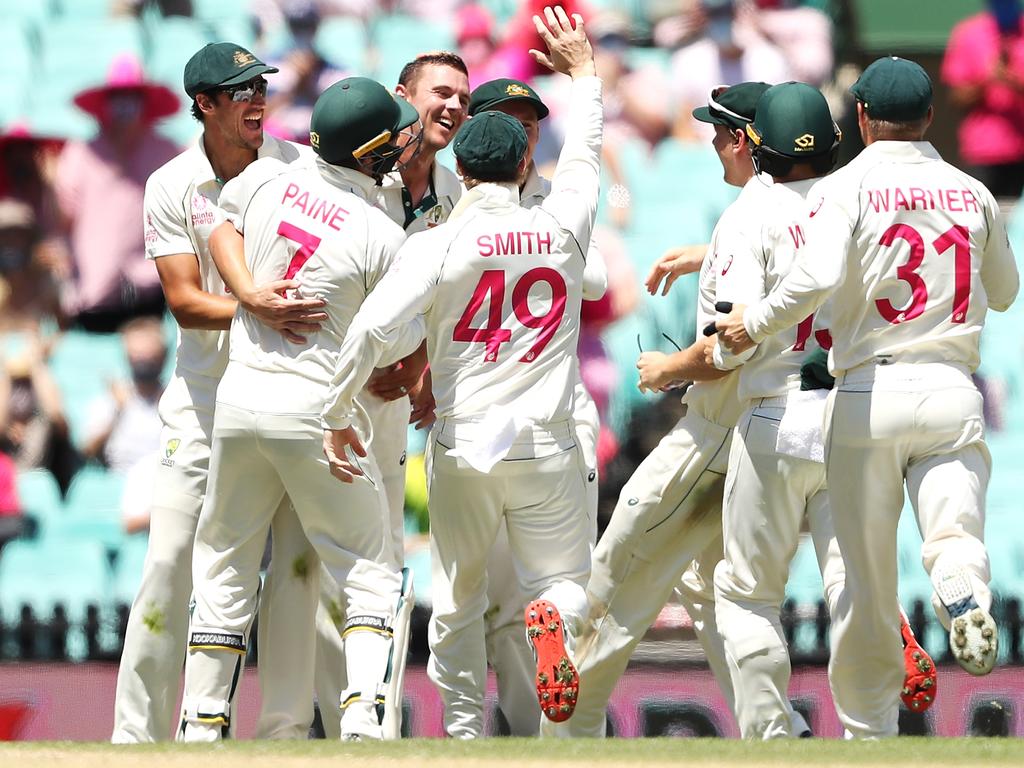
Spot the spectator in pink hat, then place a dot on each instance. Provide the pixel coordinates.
(100, 185)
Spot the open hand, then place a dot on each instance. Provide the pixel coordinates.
(335, 443)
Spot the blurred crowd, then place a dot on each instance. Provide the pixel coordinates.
(71, 235)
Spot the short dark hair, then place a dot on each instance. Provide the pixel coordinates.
(411, 71)
(197, 113)
(903, 130)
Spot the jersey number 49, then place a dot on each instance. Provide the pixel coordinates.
(491, 288)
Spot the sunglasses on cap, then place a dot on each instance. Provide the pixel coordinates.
(715, 107)
(246, 91)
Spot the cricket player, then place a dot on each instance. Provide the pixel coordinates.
(912, 252)
(503, 450)
(508, 651)
(226, 85)
(417, 195)
(776, 475)
(299, 222)
(669, 511)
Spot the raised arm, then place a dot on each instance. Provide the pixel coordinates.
(576, 185)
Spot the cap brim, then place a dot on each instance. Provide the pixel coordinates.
(248, 74)
(408, 114)
(542, 110)
(704, 115)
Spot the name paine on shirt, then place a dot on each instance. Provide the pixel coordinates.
(324, 211)
(513, 243)
(923, 199)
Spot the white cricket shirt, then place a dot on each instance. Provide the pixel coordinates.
(718, 401)
(772, 236)
(913, 252)
(312, 224)
(180, 213)
(499, 286)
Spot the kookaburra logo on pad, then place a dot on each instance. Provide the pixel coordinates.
(516, 90)
(804, 142)
(243, 59)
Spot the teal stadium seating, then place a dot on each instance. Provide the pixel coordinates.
(398, 39)
(342, 42)
(40, 498)
(84, 365)
(50, 571)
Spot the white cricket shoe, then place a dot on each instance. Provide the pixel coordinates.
(973, 637)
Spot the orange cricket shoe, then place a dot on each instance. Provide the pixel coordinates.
(558, 682)
(920, 683)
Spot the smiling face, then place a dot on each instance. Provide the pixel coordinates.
(236, 123)
(441, 95)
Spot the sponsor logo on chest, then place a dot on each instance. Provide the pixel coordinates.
(202, 211)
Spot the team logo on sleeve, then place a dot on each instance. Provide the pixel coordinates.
(434, 216)
(169, 450)
(728, 263)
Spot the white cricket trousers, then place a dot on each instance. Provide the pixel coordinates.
(922, 425)
(256, 459)
(667, 515)
(509, 652)
(149, 675)
(539, 493)
(389, 422)
(767, 497)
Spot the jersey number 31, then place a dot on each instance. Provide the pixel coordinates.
(491, 288)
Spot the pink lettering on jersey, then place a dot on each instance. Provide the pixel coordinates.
(483, 243)
(513, 243)
(877, 201)
(544, 242)
(921, 199)
(290, 192)
(798, 237)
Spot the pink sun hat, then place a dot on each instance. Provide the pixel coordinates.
(125, 74)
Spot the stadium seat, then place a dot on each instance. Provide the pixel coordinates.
(76, 53)
(172, 42)
(84, 365)
(82, 9)
(32, 11)
(42, 574)
(398, 39)
(215, 10)
(40, 497)
(93, 510)
(341, 40)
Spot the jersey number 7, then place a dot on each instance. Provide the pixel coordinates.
(308, 243)
(491, 288)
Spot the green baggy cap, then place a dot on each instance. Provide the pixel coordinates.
(489, 95)
(355, 116)
(491, 145)
(894, 89)
(732, 106)
(218, 65)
